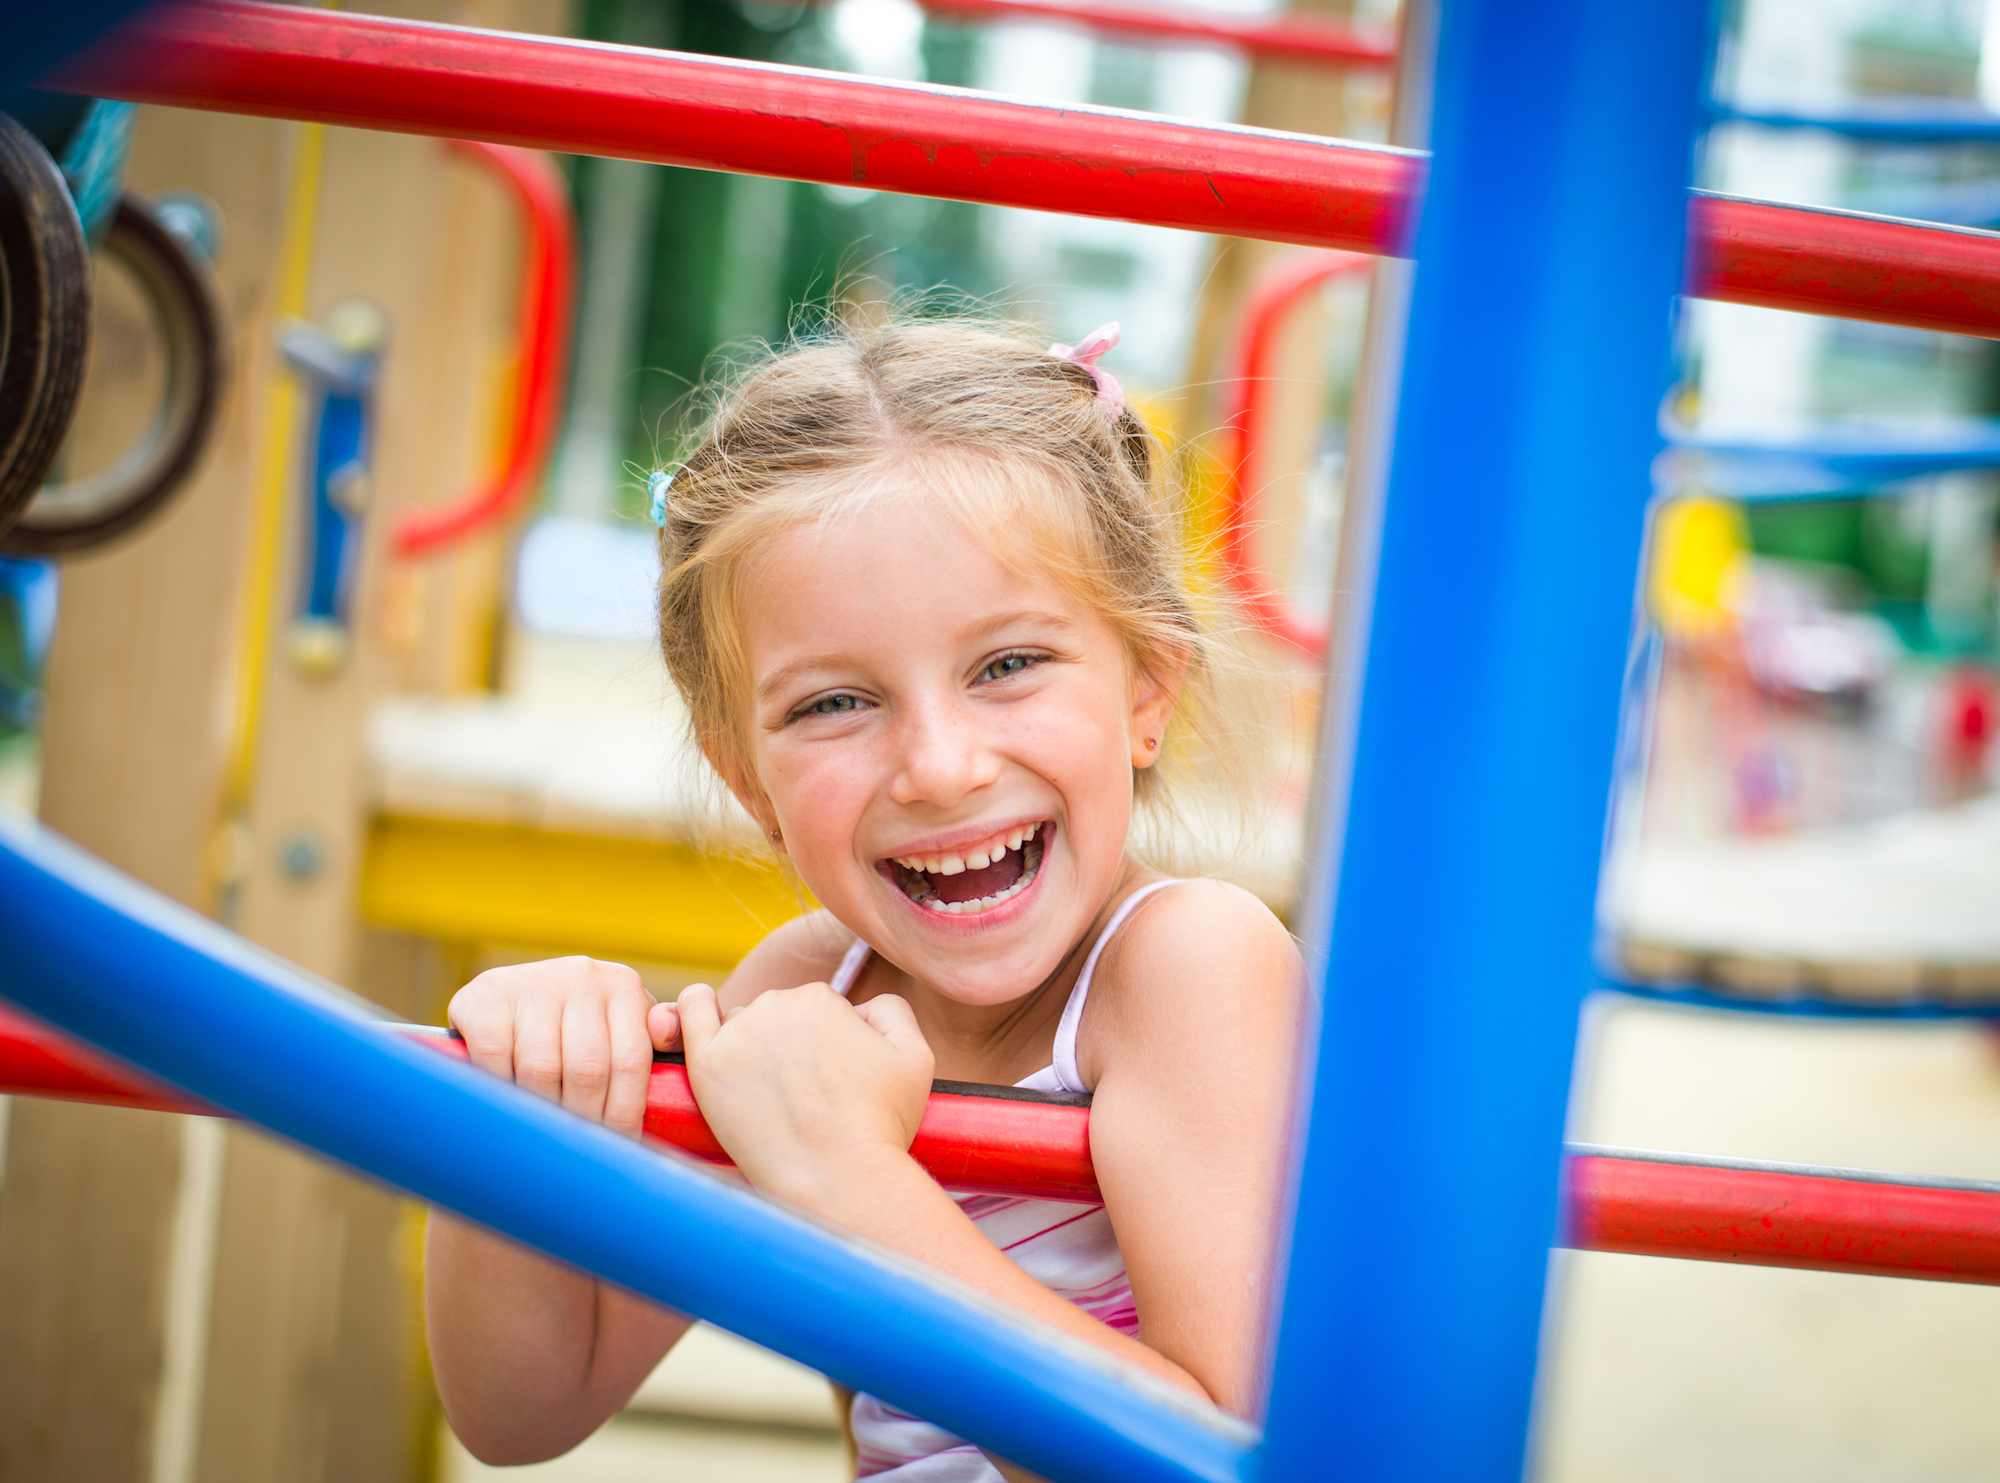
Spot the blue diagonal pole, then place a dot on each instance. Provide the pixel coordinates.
(1547, 258)
(101, 956)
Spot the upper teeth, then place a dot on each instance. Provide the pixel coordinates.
(977, 858)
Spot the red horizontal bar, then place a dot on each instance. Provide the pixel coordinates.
(1845, 263)
(752, 118)
(1282, 37)
(1768, 1215)
(711, 113)
(990, 1145)
(1771, 1217)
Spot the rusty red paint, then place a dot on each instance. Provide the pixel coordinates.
(1761, 1217)
(1844, 263)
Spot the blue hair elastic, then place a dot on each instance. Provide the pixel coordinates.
(657, 485)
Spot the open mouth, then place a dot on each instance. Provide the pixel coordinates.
(979, 880)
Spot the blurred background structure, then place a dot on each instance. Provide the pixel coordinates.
(399, 763)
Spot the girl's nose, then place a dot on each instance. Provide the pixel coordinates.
(943, 757)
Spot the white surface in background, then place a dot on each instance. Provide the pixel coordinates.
(1922, 886)
(882, 38)
(634, 1449)
(587, 578)
(715, 1374)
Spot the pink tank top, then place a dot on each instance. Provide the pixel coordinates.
(1068, 1248)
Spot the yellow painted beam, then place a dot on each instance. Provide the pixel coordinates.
(470, 882)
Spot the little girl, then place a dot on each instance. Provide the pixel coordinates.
(923, 595)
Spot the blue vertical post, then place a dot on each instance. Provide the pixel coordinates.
(1548, 256)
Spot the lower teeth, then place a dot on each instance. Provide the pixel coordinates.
(1031, 861)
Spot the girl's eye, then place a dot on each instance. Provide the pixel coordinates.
(828, 705)
(1008, 665)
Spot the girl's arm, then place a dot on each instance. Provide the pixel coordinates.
(1190, 1041)
(817, 1100)
(532, 1356)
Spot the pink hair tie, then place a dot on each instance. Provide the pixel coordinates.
(1110, 396)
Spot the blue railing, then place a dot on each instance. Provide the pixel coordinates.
(119, 965)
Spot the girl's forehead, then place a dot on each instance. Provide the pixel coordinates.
(901, 546)
(896, 584)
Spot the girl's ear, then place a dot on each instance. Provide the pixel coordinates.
(1156, 688)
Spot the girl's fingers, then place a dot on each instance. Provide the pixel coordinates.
(631, 1067)
(488, 1031)
(663, 1024)
(538, 1045)
(699, 1017)
(586, 1056)
(891, 1015)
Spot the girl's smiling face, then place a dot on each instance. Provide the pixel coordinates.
(945, 744)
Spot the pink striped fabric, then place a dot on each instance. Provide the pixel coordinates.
(1068, 1249)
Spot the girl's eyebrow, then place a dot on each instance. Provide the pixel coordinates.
(1027, 617)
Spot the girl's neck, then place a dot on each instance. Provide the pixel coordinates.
(998, 1043)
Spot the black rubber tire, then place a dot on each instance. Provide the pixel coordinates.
(44, 315)
(78, 516)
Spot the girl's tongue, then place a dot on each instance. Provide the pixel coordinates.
(970, 885)
(978, 889)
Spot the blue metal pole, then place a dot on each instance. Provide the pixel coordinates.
(108, 960)
(1548, 255)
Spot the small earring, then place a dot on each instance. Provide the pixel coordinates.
(777, 836)
(1152, 744)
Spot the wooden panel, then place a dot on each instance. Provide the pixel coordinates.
(138, 676)
(83, 1257)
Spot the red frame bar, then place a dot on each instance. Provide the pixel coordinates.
(1775, 1218)
(548, 296)
(713, 114)
(751, 118)
(1765, 1216)
(989, 1145)
(1846, 263)
(1284, 37)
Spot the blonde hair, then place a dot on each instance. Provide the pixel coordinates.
(1005, 435)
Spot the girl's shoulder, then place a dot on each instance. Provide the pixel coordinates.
(1190, 954)
(807, 949)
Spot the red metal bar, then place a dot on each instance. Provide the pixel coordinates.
(1271, 299)
(985, 1144)
(548, 293)
(1287, 37)
(1845, 263)
(1769, 1215)
(713, 114)
(1774, 1218)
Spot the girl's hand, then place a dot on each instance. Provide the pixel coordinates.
(579, 1032)
(807, 1092)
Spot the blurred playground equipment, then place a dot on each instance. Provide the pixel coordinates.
(70, 201)
(469, 823)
